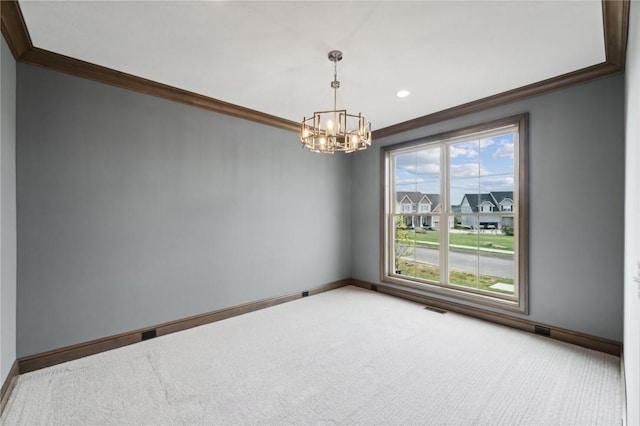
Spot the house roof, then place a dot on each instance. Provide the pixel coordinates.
(494, 198)
(435, 200)
(499, 196)
(476, 200)
(416, 197)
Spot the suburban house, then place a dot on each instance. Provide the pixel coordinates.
(414, 203)
(490, 202)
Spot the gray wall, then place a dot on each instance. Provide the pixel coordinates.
(576, 204)
(632, 227)
(7, 210)
(134, 210)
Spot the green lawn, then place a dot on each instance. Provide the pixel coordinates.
(494, 241)
(432, 273)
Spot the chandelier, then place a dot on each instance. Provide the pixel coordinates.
(336, 130)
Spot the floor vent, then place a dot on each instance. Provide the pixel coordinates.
(305, 293)
(434, 309)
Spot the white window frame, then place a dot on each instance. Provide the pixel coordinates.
(518, 302)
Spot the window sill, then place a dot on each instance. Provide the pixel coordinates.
(463, 295)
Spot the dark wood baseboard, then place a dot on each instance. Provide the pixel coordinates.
(8, 385)
(623, 389)
(69, 353)
(581, 339)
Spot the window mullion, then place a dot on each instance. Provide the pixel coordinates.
(391, 217)
(444, 214)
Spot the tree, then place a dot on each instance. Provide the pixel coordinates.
(403, 245)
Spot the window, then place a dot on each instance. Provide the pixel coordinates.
(506, 205)
(487, 207)
(478, 176)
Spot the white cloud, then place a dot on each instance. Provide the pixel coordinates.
(409, 181)
(467, 170)
(429, 155)
(429, 168)
(467, 186)
(505, 150)
(497, 184)
(462, 151)
(484, 143)
(424, 168)
(423, 162)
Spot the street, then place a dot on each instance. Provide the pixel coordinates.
(468, 262)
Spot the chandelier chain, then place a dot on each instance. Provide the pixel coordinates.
(335, 84)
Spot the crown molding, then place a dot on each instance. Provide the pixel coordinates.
(65, 64)
(14, 29)
(615, 20)
(615, 17)
(555, 83)
(17, 36)
(615, 14)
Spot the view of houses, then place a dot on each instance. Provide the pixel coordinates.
(414, 203)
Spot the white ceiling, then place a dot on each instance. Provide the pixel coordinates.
(272, 56)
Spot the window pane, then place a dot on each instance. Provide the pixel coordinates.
(404, 245)
(429, 197)
(429, 186)
(498, 190)
(497, 266)
(497, 270)
(463, 257)
(464, 195)
(427, 250)
(417, 181)
(464, 160)
(428, 165)
(464, 173)
(406, 199)
(496, 155)
(405, 168)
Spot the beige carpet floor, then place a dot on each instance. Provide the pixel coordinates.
(348, 356)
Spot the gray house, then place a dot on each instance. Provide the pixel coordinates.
(491, 202)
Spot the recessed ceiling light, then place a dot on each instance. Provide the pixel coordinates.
(403, 93)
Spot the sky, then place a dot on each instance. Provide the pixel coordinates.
(476, 166)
